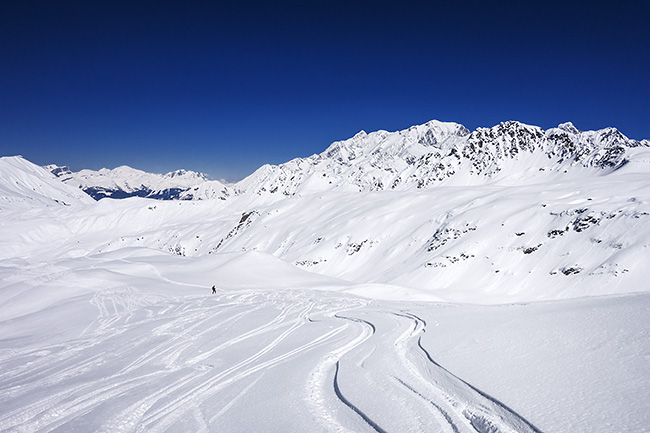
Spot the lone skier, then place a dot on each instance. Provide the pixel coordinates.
(214, 290)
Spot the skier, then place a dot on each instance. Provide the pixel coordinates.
(214, 290)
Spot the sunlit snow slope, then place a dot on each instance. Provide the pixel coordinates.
(24, 185)
(339, 307)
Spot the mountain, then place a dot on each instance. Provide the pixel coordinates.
(570, 236)
(422, 156)
(443, 153)
(26, 185)
(505, 214)
(124, 182)
(500, 214)
(346, 300)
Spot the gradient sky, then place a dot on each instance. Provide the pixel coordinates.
(224, 87)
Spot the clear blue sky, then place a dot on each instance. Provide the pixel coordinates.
(224, 87)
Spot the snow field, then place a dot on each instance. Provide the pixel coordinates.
(151, 351)
(329, 314)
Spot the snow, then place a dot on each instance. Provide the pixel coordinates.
(131, 179)
(517, 303)
(129, 342)
(125, 181)
(421, 157)
(24, 184)
(581, 364)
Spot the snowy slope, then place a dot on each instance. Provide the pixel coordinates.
(132, 341)
(26, 185)
(523, 233)
(124, 181)
(556, 235)
(568, 235)
(342, 306)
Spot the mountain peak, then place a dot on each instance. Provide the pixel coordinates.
(568, 127)
(434, 152)
(188, 174)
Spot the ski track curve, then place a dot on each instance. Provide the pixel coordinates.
(155, 364)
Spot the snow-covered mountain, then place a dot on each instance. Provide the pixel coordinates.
(351, 291)
(124, 182)
(26, 185)
(532, 219)
(537, 214)
(422, 156)
(443, 153)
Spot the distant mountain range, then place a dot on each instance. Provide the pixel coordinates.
(419, 157)
(124, 182)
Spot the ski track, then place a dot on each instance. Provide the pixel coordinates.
(155, 364)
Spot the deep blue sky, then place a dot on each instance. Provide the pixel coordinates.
(224, 87)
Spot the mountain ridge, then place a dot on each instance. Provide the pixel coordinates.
(125, 181)
(434, 152)
(534, 214)
(420, 156)
(24, 184)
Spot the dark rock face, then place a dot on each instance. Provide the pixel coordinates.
(63, 172)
